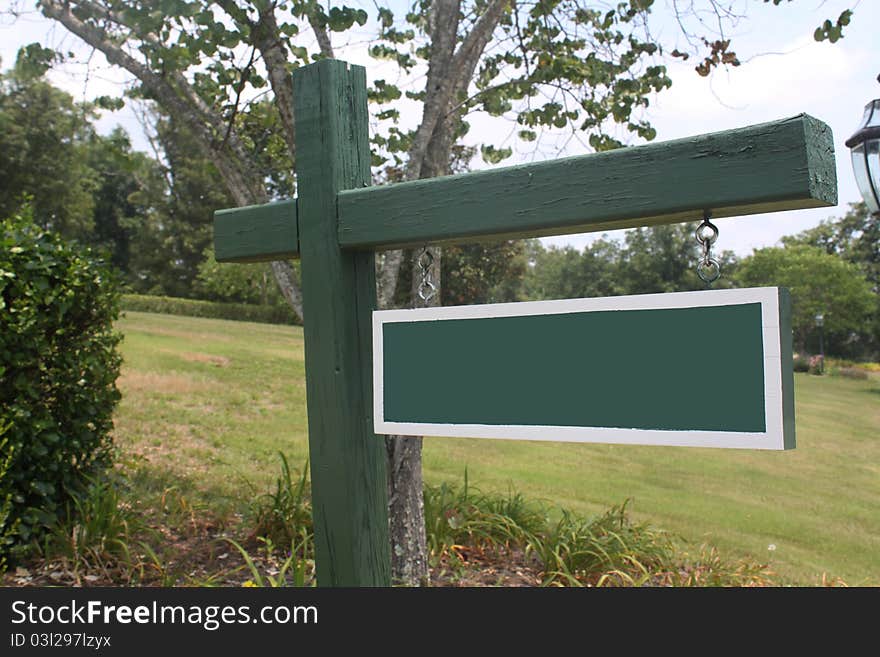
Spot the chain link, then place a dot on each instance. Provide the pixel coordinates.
(708, 268)
(427, 290)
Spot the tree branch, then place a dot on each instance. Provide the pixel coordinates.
(180, 99)
(443, 22)
(266, 39)
(468, 54)
(322, 35)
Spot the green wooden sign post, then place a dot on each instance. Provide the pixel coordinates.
(338, 221)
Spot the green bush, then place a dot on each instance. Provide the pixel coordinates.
(7, 527)
(242, 312)
(801, 364)
(58, 367)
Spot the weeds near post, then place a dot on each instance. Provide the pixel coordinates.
(95, 532)
(300, 569)
(280, 516)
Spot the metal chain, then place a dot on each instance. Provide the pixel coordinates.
(708, 268)
(427, 290)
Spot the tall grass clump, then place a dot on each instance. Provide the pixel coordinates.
(283, 532)
(457, 516)
(609, 549)
(572, 550)
(283, 516)
(95, 533)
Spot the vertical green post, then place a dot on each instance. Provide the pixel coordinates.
(339, 293)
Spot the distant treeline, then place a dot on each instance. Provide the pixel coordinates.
(151, 214)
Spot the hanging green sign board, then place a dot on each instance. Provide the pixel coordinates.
(701, 369)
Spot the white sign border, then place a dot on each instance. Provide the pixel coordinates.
(773, 438)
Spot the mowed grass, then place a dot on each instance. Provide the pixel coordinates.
(207, 405)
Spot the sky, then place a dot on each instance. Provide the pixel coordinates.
(784, 73)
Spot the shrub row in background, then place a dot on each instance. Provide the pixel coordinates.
(58, 367)
(211, 309)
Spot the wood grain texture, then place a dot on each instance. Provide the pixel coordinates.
(339, 294)
(256, 233)
(782, 165)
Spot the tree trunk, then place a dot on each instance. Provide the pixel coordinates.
(449, 73)
(406, 511)
(406, 505)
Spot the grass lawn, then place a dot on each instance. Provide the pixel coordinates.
(207, 405)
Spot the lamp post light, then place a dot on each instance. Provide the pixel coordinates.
(864, 146)
(820, 324)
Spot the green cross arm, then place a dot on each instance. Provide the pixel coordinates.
(780, 165)
(257, 233)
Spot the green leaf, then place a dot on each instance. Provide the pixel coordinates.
(386, 17)
(33, 60)
(492, 155)
(109, 103)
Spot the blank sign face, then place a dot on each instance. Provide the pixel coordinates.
(707, 369)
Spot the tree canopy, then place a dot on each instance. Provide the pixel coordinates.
(820, 283)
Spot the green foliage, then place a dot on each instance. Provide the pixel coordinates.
(8, 525)
(284, 516)
(664, 259)
(242, 283)
(492, 155)
(59, 364)
(33, 61)
(43, 154)
(128, 190)
(490, 272)
(833, 32)
(709, 569)
(241, 312)
(819, 283)
(294, 565)
(96, 530)
(655, 259)
(173, 245)
(566, 273)
(456, 516)
(606, 550)
(86, 186)
(801, 363)
(557, 65)
(855, 237)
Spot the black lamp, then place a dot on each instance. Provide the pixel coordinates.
(865, 148)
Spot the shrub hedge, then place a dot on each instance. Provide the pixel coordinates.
(212, 309)
(7, 526)
(58, 366)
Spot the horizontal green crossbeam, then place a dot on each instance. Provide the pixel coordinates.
(256, 233)
(782, 165)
